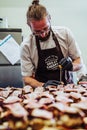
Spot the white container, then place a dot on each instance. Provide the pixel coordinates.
(3, 23)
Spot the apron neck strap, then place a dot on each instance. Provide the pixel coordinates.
(57, 43)
(38, 45)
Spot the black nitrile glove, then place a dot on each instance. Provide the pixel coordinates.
(52, 82)
(66, 64)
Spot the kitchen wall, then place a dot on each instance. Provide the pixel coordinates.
(72, 14)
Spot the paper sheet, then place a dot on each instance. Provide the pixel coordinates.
(10, 49)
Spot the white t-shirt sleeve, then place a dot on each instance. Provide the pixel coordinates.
(74, 50)
(27, 66)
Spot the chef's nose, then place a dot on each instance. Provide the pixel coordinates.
(43, 34)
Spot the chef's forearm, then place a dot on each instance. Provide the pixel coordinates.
(32, 82)
(77, 67)
(77, 64)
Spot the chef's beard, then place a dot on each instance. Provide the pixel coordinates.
(44, 38)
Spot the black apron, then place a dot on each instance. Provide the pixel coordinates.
(48, 59)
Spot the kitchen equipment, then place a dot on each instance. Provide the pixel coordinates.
(3, 22)
(10, 75)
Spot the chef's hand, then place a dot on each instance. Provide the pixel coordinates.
(66, 64)
(52, 83)
(83, 79)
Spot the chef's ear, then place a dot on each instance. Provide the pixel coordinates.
(49, 17)
(28, 23)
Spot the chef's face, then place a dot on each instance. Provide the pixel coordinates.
(41, 27)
